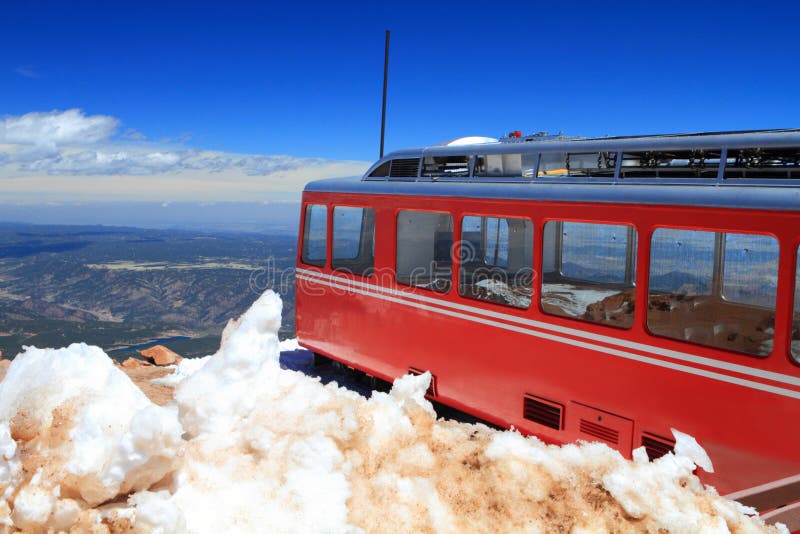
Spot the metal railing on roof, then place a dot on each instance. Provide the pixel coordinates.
(775, 163)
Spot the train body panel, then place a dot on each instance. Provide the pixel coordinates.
(710, 357)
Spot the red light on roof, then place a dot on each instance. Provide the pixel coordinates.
(515, 133)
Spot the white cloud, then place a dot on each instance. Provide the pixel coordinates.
(138, 162)
(98, 162)
(57, 128)
(134, 134)
(37, 150)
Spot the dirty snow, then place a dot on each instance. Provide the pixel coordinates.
(186, 368)
(75, 432)
(250, 447)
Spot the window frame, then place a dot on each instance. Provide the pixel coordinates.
(442, 176)
(398, 213)
(723, 265)
(717, 285)
(531, 263)
(630, 256)
(794, 357)
(633, 248)
(607, 155)
(369, 272)
(306, 233)
(792, 171)
(682, 173)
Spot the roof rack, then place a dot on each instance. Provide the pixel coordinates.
(758, 157)
(538, 136)
(546, 136)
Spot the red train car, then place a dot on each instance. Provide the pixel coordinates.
(600, 289)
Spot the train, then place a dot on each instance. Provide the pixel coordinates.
(602, 289)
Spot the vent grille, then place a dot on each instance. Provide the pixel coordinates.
(544, 412)
(404, 168)
(600, 431)
(657, 446)
(431, 392)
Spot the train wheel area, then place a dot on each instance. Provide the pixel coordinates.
(329, 370)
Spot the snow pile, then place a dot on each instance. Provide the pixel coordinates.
(75, 432)
(186, 368)
(267, 449)
(289, 344)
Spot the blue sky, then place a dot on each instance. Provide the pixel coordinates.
(304, 79)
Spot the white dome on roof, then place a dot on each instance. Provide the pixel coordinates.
(471, 140)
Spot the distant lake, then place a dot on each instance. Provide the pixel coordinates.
(36, 246)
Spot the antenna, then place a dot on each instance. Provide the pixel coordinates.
(385, 79)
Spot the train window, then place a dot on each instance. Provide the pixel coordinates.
(445, 166)
(497, 165)
(315, 235)
(695, 163)
(424, 245)
(589, 272)
(750, 274)
(382, 170)
(714, 288)
(397, 168)
(496, 249)
(594, 164)
(796, 315)
(528, 165)
(496, 260)
(763, 163)
(353, 234)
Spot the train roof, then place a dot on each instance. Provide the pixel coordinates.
(541, 142)
(744, 197)
(746, 169)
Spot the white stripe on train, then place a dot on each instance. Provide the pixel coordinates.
(402, 297)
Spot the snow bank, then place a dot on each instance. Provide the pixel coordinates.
(289, 344)
(186, 368)
(267, 449)
(76, 432)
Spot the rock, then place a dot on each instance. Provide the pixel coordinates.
(134, 363)
(142, 376)
(161, 355)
